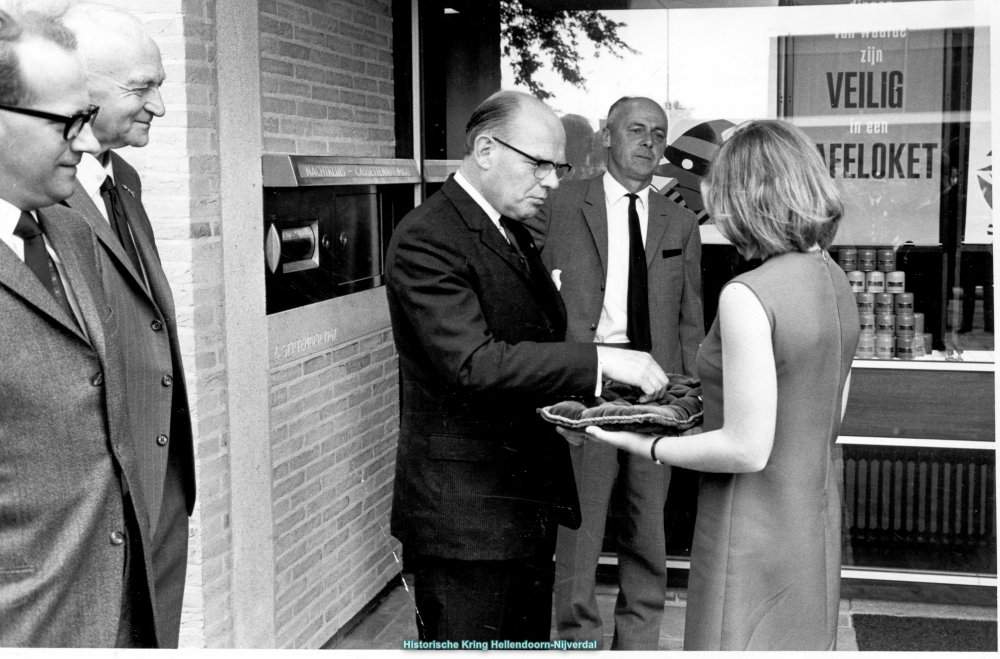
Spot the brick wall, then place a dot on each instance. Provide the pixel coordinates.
(334, 426)
(180, 175)
(326, 77)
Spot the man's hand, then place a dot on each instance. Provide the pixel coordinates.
(638, 369)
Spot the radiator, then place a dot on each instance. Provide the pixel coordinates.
(920, 508)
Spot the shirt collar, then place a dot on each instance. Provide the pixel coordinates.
(91, 173)
(614, 190)
(493, 213)
(9, 217)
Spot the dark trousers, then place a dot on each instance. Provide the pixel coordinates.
(484, 600)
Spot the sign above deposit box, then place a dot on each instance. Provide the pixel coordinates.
(297, 171)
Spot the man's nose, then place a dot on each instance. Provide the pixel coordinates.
(155, 104)
(550, 181)
(85, 142)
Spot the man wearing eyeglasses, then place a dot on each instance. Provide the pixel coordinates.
(481, 481)
(630, 268)
(124, 75)
(63, 528)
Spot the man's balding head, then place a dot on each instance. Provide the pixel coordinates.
(504, 124)
(636, 136)
(124, 72)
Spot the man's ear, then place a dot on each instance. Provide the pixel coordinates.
(606, 136)
(483, 149)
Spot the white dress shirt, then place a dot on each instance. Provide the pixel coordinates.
(494, 216)
(613, 325)
(493, 213)
(9, 217)
(91, 174)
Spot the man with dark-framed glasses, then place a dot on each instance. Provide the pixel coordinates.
(481, 481)
(62, 515)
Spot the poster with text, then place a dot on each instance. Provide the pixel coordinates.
(979, 203)
(872, 102)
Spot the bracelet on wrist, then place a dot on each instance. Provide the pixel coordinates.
(652, 449)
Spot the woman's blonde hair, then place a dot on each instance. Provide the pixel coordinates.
(770, 193)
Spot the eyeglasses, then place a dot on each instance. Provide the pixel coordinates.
(542, 167)
(72, 125)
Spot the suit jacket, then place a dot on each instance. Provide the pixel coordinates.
(571, 230)
(159, 472)
(61, 399)
(479, 475)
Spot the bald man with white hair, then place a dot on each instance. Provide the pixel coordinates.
(124, 74)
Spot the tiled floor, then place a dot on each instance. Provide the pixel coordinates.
(393, 621)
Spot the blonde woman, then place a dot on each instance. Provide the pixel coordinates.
(775, 372)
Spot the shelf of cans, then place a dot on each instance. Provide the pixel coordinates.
(889, 327)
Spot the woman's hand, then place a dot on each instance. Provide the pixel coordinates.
(633, 442)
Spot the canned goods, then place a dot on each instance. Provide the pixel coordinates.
(856, 279)
(904, 303)
(885, 323)
(875, 282)
(867, 322)
(904, 347)
(866, 302)
(904, 324)
(918, 324)
(895, 282)
(866, 260)
(885, 346)
(885, 303)
(847, 257)
(886, 260)
(866, 346)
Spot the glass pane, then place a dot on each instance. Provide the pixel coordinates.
(896, 96)
(920, 509)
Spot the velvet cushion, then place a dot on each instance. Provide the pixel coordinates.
(677, 410)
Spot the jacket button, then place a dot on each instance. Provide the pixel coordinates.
(602, 287)
(593, 327)
(156, 325)
(117, 538)
(97, 380)
(167, 380)
(162, 440)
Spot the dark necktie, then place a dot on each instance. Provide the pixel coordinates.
(506, 223)
(638, 294)
(37, 258)
(116, 216)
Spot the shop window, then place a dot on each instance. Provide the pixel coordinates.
(896, 96)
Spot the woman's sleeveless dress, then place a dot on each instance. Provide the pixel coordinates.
(765, 562)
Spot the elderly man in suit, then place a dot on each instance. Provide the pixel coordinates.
(630, 269)
(124, 74)
(481, 482)
(64, 535)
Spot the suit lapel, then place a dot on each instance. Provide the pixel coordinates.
(69, 234)
(595, 212)
(15, 276)
(477, 220)
(543, 289)
(81, 202)
(656, 226)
